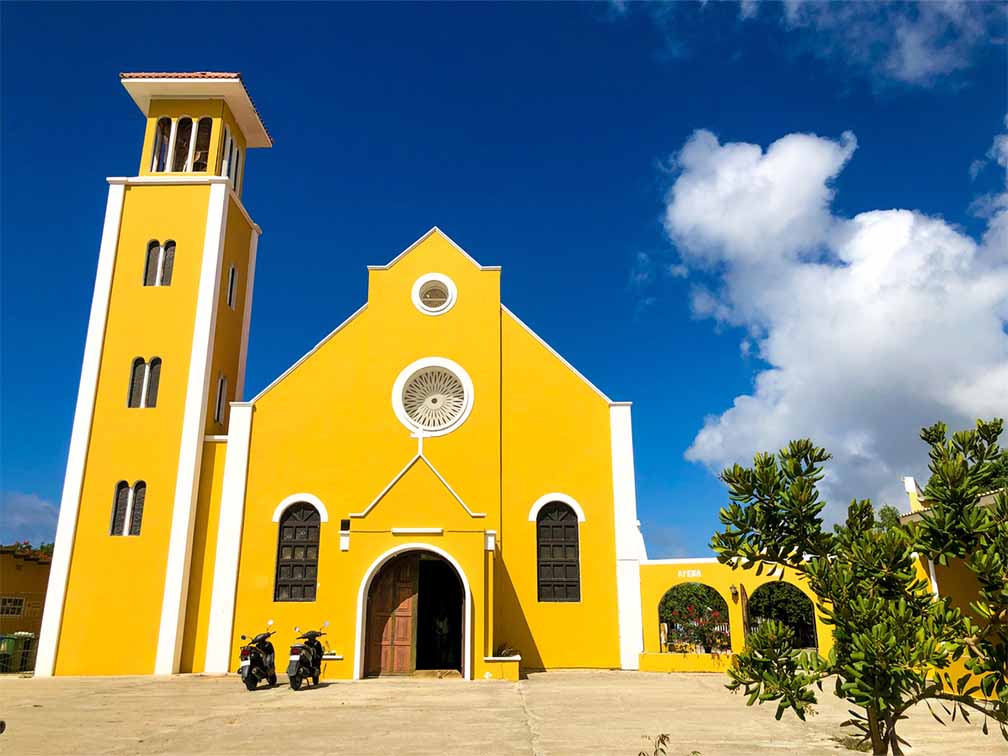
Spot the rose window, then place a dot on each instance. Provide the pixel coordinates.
(434, 398)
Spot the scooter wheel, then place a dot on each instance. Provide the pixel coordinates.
(295, 682)
(251, 682)
(272, 680)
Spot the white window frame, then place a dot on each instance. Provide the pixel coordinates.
(226, 154)
(221, 394)
(19, 603)
(442, 279)
(232, 283)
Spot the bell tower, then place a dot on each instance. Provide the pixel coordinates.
(164, 356)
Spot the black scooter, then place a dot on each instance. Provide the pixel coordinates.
(306, 658)
(257, 660)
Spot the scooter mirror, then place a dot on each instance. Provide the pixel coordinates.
(325, 624)
(269, 623)
(297, 629)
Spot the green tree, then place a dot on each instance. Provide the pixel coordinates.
(888, 517)
(894, 641)
(784, 603)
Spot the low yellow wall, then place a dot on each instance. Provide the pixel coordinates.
(502, 668)
(675, 662)
(658, 575)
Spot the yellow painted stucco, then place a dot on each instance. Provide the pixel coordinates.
(121, 579)
(658, 576)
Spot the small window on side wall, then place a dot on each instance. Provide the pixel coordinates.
(231, 285)
(221, 403)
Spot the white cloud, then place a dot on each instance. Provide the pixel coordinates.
(27, 517)
(915, 44)
(870, 327)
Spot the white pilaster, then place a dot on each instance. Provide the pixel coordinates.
(190, 450)
(247, 316)
(232, 515)
(80, 436)
(629, 544)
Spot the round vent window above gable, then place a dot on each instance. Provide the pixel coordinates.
(434, 294)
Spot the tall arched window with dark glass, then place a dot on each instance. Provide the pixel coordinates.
(297, 553)
(201, 155)
(559, 571)
(183, 143)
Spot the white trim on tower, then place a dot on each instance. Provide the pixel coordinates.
(247, 314)
(229, 528)
(176, 588)
(66, 527)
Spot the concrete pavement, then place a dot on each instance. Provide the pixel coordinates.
(564, 712)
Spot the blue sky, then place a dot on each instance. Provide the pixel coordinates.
(639, 172)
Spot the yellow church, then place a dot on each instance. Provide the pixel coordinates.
(432, 478)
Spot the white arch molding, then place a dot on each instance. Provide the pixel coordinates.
(307, 498)
(542, 501)
(365, 588)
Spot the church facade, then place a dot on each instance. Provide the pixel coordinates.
(432, 479)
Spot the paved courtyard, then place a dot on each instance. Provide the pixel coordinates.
(569, 712)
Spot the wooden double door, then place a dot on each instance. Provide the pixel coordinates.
(414, 617)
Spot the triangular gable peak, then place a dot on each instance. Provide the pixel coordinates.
(418, 242)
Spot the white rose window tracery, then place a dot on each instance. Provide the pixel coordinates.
(434, 398)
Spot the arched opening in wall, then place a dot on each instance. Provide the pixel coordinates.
(693, 618)
(415, 618)
(785, 603)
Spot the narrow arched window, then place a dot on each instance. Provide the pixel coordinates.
(559, 568)
(120, 503)
(236, 178)
(183, 139)
(153, 379)
(221, 399)
(153, 263)
(297, 553)
(138, 375)
(226, 154)
(162, 135)
(232, 281)
(145, 377)
(137, 505)
(167, 263)
(201, 155)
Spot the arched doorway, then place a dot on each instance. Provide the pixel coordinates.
(787, 604)
(415, 616)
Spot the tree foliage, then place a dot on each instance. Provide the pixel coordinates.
(786, 604)
(894, 641)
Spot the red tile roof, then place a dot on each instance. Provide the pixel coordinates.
(199, 75)
(179, 75)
